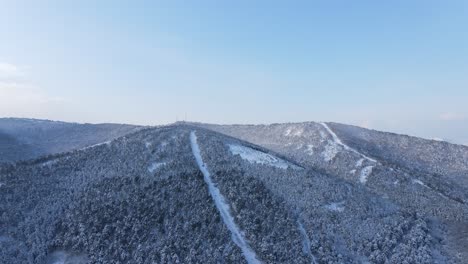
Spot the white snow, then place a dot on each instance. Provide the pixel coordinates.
(310, 150)
(365, 172)
(336, 207)
(221, 205)
(164, 144)
(49, 163)
(359, 163)
(352, 171)
(331, 149)
(63, 257)
(339, 142)
(306, 242)
(1, 184)
(147, 144)
(416, 181)
(255, 156)
(421, 183)
(294, 132)
(323, 136)
(98, 144)
(155, 165)
(298, 132)
(299, 146)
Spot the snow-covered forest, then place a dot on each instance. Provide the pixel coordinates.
(197, 193)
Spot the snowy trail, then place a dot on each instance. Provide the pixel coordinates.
(221, 205)
(339, 142)
(305, 242)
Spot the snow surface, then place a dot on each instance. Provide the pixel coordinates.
(255, 156)
(98, 144)
(338, 141)
(310, 150)
(221, 205)
(63, 257)
(155, 165)
(365, 172)
(294, 132)
(421, 183)
(49, 163)
(359, 163)
(148, 144)
(323, 136)
(416, 181)
(336, 207)
(331, 149)
(305, 242)
(1, 184)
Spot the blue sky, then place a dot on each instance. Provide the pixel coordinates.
(399, 66)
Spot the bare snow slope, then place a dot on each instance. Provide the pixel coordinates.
(256, 156)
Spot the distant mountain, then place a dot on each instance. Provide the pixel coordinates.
(186, 193)
(22, 139)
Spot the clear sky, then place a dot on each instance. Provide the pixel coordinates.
(397, 65)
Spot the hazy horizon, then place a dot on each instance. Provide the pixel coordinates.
(400, 67)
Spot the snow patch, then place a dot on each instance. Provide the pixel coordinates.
(416, 181)
(156, 165)
(359, 163)
(299, 146)
(148, 144)
(365, 173)
(98, 144)
(63, 257)
(331, 149)
(305, 242)
(310, 150)
(221, 205)
(338, 141)
(164, 144)
(1, 184)
(336, 207)
(49, 163)
(353, 171)
(255, 156)
(323, 136)
(294, 132)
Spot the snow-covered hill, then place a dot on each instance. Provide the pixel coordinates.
(22, 139)
(185, 193)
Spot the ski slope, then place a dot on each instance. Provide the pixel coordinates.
(338, 141)
(221, 205)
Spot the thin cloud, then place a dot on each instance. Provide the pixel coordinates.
(19, 95)
(8, 70)
(451, 116)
